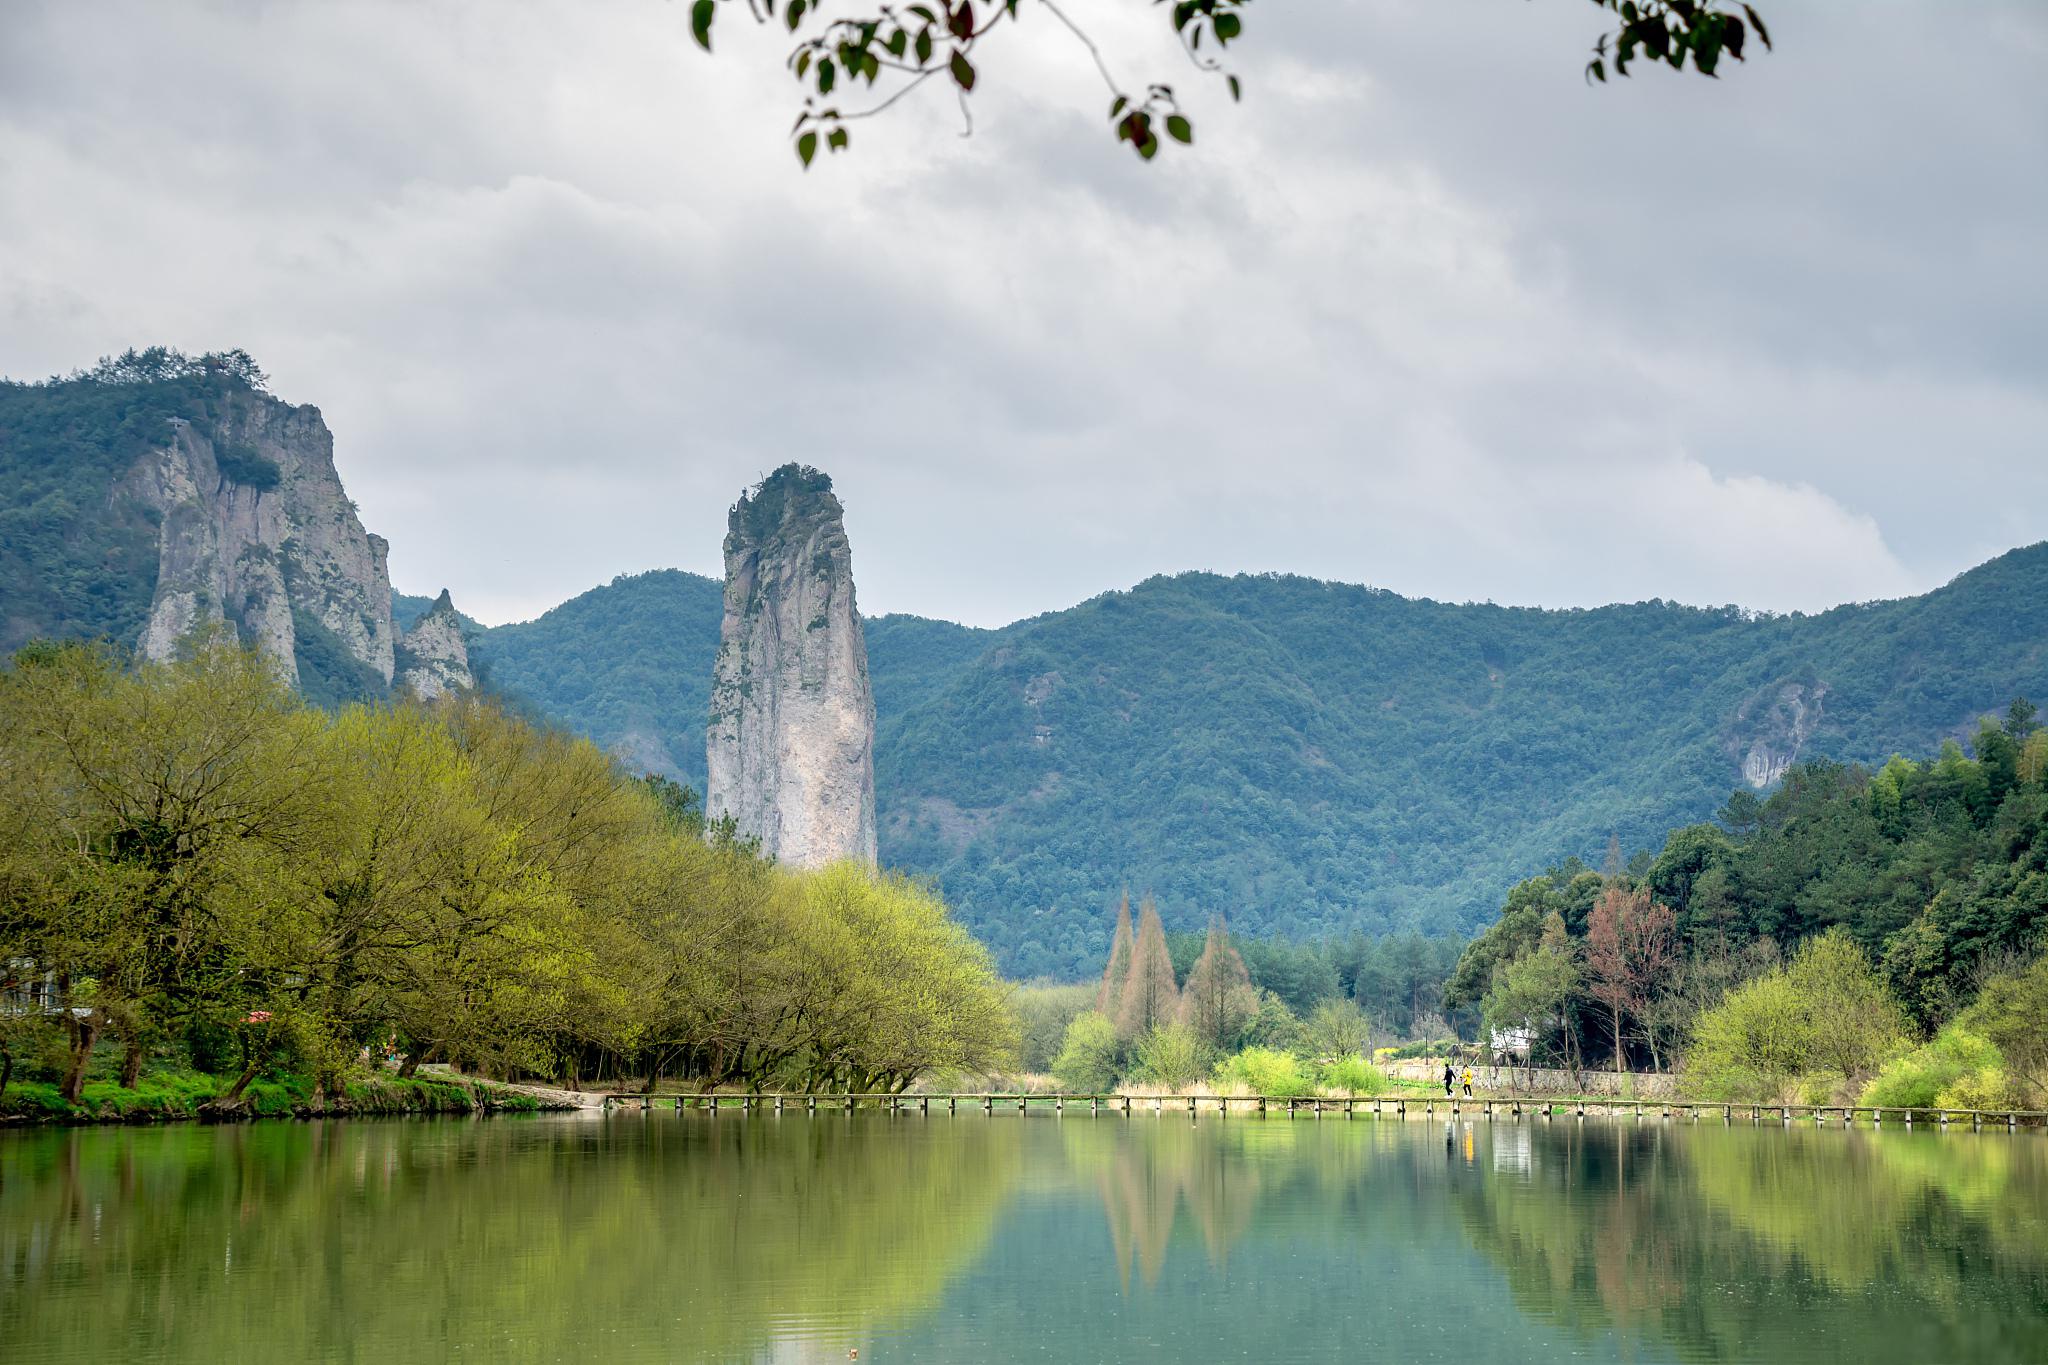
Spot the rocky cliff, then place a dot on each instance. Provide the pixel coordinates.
(790, 746)
(432, 656)
(254, 530)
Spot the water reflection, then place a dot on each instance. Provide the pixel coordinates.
(666, 1237)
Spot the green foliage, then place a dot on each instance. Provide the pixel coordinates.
(1336, 1028)
(1172, 1055)
(1265, 1071)
(1825, 1013)
(628, 665)
(1087, 1060)
(2012, 1014)
(1323, 762)
(1044, 1013)
(246, 466)
(887, 52)
(1918, 1079)
(329, 675)
(191, 851)
(1353, 1075)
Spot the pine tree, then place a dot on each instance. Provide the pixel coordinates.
(1111, 991)
(1150, 997)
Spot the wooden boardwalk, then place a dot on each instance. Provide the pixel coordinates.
(1490, 1110)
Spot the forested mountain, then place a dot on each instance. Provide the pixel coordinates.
(1308, 758)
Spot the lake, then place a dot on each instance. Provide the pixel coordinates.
(641, 1237)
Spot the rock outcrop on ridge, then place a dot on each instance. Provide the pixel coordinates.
(790, 749)
(432, 656)
(254, 530)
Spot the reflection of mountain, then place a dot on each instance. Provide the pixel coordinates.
(502, 1240)
(1741, 1243)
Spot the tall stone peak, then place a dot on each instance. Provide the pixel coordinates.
(254, 531)
(790, 749)
(432, 656)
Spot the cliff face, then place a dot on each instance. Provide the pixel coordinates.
(432, 657)
(255, 530)
(1772, 727)
(790, 748)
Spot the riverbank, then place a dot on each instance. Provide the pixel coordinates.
(184, 1096)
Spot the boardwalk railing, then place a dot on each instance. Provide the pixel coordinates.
(1512, 1109)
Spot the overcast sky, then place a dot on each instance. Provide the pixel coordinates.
(1424, 312)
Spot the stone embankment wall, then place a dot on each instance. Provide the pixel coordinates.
(1502, 1080)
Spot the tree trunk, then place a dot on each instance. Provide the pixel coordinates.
(6, 1069)
(411, 1066)
(84, 1032)
(1616, 1012)
(131, 1060)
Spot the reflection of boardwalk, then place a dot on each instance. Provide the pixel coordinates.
(1396, 1107)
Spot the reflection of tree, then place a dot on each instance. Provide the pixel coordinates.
(1145, 1178)
(510, 1239)
(1223, 1173)
(1743, 1242)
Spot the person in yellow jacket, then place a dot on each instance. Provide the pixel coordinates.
(1468, 1082)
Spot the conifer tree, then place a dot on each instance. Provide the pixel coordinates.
(1113, 977)
(1150, 997)
(1218, 998)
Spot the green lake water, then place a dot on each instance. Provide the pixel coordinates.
(659, 1236)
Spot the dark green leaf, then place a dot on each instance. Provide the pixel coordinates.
(806, 148)
(963, 70)
(701, 15)
(1179, 129)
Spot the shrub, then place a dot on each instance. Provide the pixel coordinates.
(1088, 1054)
(1172, 1055)
(1354, 1075)
(1265, 1071)
(1917, 1080)
(1986, 1089)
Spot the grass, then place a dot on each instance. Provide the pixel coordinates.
(176, 1093)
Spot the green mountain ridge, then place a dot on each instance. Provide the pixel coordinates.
(1309, 758)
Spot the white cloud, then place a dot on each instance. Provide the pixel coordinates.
(1422, 312)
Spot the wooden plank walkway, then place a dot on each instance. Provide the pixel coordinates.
(1512, 1109)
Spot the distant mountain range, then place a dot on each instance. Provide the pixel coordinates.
(1307, 758)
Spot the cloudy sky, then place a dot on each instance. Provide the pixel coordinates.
(1425, 311)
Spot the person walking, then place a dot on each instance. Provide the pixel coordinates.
(1450, 1078)
(1468, 1082)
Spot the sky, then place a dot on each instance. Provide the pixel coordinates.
(1425, 311)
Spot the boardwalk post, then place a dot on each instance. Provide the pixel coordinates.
(1022, 1100)
(1191, 1106)
(849, 1104)
(1093, 1101)
(679, 1104)
(1127, 1105)
(810, 1104)
(924, 1104)
(1059, 1104)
